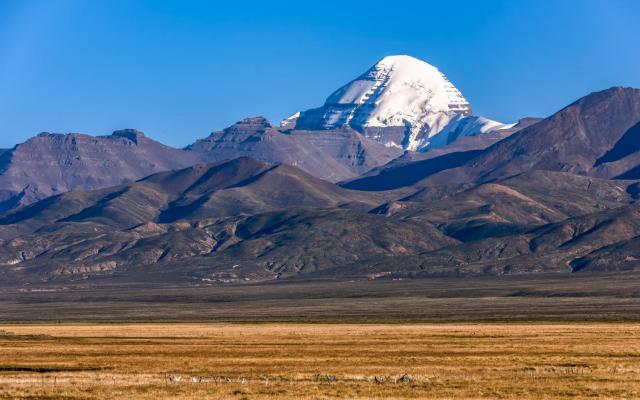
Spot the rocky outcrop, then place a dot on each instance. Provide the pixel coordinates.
(50, 164)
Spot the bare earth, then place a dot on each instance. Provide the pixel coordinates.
(320, 361)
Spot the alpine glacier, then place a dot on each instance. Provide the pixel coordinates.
(404, 93)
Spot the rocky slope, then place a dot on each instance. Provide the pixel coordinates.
(573, 140)
(50, 164)
(401, 103)
(585, 138)
(227, 188)
(549, 196)
(331, 155)
(246, 220)
(199, 211)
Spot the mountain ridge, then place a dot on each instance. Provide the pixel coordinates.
(49, 164)
(571, 140)
(259, 202)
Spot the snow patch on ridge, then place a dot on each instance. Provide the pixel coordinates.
(290, 122)
(460, 126)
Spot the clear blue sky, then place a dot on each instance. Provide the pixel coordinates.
(181, 69)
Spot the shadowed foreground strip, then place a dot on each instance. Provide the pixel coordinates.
(293, 361)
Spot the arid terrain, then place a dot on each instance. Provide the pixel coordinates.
(253, 204)
(320, 361)
(580, 297)
(345, 200)
(516, 337)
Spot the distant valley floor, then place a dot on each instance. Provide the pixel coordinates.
(554, 297)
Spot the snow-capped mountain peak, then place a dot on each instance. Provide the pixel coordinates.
(398, 85)
(398, 91)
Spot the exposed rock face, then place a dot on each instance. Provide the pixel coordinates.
(193, 224)
(357, 152)
(400, 101)
(257, 138)
(585, 138)
(537, 198)
(223, 189)
(572, 140)
(459, 151)
(177, 215)
(50, 164)
(331, 155)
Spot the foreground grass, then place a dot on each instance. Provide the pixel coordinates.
(320, 361)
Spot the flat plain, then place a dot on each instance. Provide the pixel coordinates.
(543, 298)
(542, 337)
(320, 361)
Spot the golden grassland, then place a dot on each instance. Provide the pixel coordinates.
(320, 361)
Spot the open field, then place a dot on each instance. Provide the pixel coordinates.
(518, 337)
(320, 361)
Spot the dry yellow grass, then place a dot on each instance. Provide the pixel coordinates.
(298, 361)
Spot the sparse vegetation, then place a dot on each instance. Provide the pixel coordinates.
(313, 361)
(559, 298)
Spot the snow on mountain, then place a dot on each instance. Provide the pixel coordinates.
(290, 122)
(401, 92)
(460, 126)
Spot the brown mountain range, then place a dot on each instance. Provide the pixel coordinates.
(557, 196)
(580, 139)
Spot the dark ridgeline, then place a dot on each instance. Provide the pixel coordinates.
(50, 164)
(332, 155)
(554, 195)
(579, 139)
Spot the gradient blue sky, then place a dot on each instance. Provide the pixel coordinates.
(180, 69)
